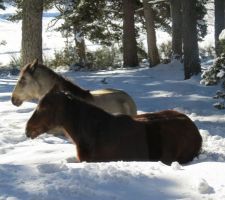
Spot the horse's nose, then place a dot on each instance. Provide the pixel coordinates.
(15, 101)
(27, 132)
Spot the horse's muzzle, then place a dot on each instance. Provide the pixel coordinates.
(31, 135)
(28, 134)
(16, 101)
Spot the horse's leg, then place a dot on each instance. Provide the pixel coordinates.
(168, 155)
(167, 158)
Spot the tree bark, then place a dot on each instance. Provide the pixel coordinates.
(153, 53)
(190, 39)
(219, 22)
(32, 30)
(176, 15)
(129, 38)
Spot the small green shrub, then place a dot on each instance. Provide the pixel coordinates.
(216, 73)
(221, 46)
(65, 57)
(165, 50)
(207, 52)
(15, 61)
(104, 58)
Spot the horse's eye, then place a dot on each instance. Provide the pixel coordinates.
(22, 81)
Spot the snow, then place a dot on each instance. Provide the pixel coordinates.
(220, 74)
(79, 37)
(204, 188)
(222, 35)
(46, 168)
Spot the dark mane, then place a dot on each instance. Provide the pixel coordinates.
(96, 116)
(67, 85)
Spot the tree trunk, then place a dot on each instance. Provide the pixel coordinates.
(2, 5)
(190, 39)
(153, 53)
(80, 46)
(129, 38)
(219, 22)
(176, 16)
(32, 31)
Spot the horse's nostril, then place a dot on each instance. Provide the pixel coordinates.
(15, 101)
(12, 99)
(27, 133)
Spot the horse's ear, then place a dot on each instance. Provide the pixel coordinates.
(33, 65)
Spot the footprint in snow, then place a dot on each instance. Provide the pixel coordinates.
(204, 187)
(72, 160)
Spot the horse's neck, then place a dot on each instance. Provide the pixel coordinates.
(46, 80)
(83, 121)
(74, 89)
(77, 133)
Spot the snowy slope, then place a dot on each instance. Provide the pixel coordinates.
(46, 168)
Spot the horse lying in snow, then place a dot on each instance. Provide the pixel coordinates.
(99, 136)
(36, 80)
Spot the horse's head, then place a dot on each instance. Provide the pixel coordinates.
(48, 114)
(27, 86)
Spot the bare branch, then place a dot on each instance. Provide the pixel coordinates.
(52, 23)
(158, 1)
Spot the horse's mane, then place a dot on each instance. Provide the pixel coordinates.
(91, 118)
(66, 84)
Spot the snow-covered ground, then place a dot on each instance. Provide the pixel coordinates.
(46, 168)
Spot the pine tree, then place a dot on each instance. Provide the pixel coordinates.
(176, 15)
(129, 38)
(151, 34)
(31, 30)
(90, 20)
(190, 40)
(219, 22)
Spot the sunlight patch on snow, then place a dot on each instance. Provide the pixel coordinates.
(163, 94)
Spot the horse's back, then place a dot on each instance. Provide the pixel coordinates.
(184, 139)
(172, 136)
(114, 101)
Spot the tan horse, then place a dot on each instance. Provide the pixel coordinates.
(100, 136)
(36, 80)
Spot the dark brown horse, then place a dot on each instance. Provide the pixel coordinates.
(99, 136)
(36, 80)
